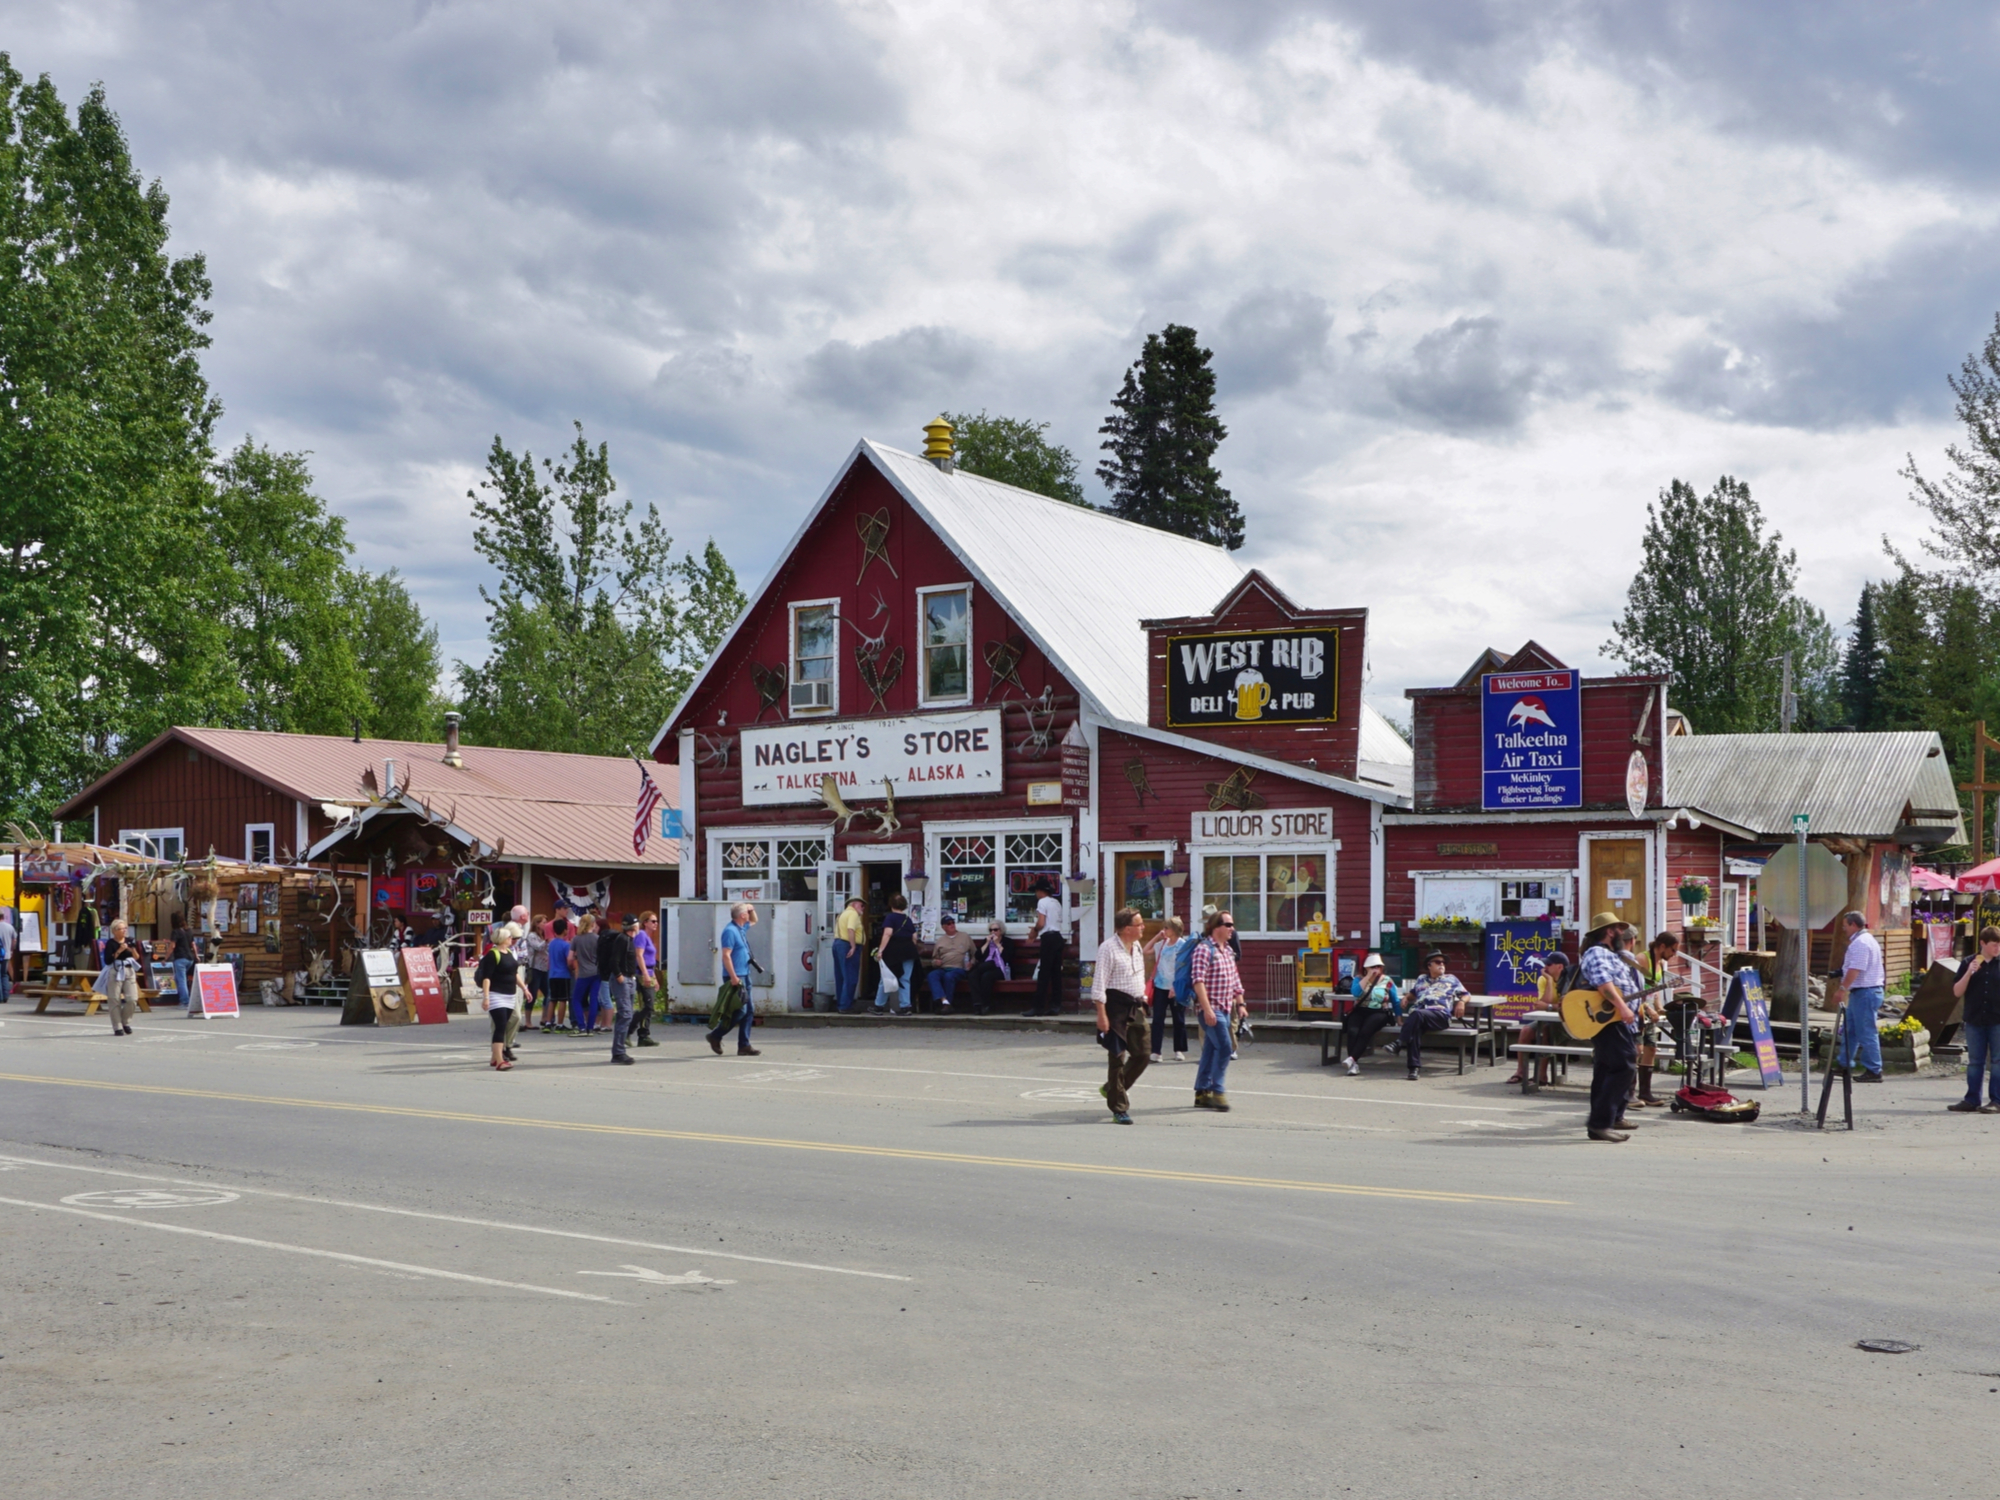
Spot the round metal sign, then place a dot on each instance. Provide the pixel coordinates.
(1638, 782)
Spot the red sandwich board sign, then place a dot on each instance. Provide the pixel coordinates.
(420, 983)
(216, 985)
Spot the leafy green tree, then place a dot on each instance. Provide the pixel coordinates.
(1861, 663)
(1964, 505)
(595, 629)
(1015, 452)
(398, 652)
(1713, 604)
(104, 432)
(1162, 435)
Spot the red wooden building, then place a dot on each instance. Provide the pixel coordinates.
(1005, 689)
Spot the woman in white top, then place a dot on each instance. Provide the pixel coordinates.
(1164, 952)
(1122, 1017)
(499, 977)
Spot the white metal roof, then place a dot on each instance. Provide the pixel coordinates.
(1852, 785)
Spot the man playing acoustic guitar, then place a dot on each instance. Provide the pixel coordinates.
(1614, 1062)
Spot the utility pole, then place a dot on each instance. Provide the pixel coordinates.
(1788, 701)
(1979, 787)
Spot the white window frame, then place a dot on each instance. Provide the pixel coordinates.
(925, 698)
(936, 832)
(250, 832)
(792, 658)
(769, 835)
(151, 836)
(1198, 854)
(1543, 873)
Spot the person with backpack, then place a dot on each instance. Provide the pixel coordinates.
(498, 977)
(1218, 994)
(1171, 952)
(1376, 1004)
(618, 972)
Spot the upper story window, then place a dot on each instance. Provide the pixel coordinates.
(946, 623)
(815, 680)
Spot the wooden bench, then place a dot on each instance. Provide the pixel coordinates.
(1561, 1056)
(1333, 1041)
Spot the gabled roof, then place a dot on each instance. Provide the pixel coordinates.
(548, 805)
(1851, 785)
(1076, 580)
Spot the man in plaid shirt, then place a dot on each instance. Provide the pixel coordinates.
(1218, 993)
(1614, 1051)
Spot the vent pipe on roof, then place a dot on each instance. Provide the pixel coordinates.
(937, 443)
(451, 755)
(388, 778)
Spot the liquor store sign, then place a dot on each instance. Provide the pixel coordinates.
(1264, 827)
(934, 755)
(1256, 677)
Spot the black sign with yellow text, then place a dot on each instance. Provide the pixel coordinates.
(1253, 677)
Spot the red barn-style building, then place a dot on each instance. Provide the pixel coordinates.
(1005, 689)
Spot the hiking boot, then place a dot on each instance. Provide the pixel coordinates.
(746, 1051)
(1608, 1135)
(646, 1041)
(1203, 1100)
(1219, 1102)
(715, 1045)
(1964, 1107)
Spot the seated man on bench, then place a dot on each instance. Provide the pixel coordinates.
(950, 959)
(1430, 1004)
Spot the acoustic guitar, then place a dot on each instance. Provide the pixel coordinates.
(1585, 1012)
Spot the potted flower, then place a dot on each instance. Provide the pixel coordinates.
(1694, 894)
(1906, 1046)
(1448, 929)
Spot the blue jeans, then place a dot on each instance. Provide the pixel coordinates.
(891, 982)
(1214, 1057)
(620, 991)
(583, 1001)
(846, 973)
(6, 978)
(944, 983)
(1982, 1055)
(742, 1024)
(184, 979)
(1857, 1033)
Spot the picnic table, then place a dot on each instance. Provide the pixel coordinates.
(70, 984)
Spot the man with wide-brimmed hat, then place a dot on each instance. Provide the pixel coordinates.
(1614, 1062)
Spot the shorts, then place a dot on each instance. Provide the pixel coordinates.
(500, 1015)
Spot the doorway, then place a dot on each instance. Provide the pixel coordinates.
(1136, 883)
(879, 881)
(1617, 881)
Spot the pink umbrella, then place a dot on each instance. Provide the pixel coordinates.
(1984, 877)
(1930, 880)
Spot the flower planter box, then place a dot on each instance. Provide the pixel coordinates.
(1900, 1054)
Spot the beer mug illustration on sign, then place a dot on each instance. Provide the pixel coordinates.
(1253, 694)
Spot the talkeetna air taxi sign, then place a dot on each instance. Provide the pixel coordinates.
(1253, 677)
(1531, 738)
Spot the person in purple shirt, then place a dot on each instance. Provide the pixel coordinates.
(646, 941)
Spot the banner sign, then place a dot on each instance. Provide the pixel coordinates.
(1531, 740)
(216, 985)
(1268, 826)
(1746, 998)
(1075, 768)
(1254, 677)
(594, 895)
(935, 755)
(1515, 952)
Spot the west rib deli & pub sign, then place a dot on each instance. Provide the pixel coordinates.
(1253, 677)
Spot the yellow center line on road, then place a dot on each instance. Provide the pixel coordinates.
(900, 1153)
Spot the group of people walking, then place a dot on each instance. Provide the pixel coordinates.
(1185, 971)
(581, 978)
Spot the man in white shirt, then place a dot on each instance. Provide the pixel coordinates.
(1048, 933)
(9, 940)
(1122, 1018)
(1861, 999)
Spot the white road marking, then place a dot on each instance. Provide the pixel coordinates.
(1064, 1095)
(414, 1213)
(335, 1255)
(144, 1197)
(660, 1278)
(194, 1033)
(273, 1046)
(1491, 1124)
(781, 1075)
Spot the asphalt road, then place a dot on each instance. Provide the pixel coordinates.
(276, 1257)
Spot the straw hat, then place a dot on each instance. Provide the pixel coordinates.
(1603, 920)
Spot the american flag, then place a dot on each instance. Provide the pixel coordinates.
(642, 816)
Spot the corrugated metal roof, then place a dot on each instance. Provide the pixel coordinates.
(550, 806)
(1852, 785)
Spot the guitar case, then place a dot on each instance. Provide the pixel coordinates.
(1718, 1105)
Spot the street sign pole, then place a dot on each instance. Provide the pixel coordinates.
(1801, 822)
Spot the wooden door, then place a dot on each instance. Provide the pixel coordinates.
(1618, 882)
(1136, 883)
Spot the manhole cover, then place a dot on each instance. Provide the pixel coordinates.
(1887, 1346)
(138, 1197)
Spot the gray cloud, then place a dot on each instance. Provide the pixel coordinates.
(871, 378)
(1462, 378)
(1270, 340)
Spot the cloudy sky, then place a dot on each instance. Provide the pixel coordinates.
(1480, 278)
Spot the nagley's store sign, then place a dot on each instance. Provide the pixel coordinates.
(1258, 677)
(938, 755)
(1266, 828)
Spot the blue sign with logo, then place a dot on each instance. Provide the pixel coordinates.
(670, 822)
(1531, 740)
(1516, 949)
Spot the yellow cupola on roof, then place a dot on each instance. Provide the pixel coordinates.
(937, 443)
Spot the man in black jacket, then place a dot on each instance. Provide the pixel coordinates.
(1979, 987)
(617, 971)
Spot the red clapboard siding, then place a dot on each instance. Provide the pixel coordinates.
(177, 786)
(1257, 604)
(1177, 782)
(1447, 749)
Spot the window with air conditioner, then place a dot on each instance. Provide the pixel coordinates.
(815, 675)
(946, 616)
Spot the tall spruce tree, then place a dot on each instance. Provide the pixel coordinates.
(1713, 604)
(1162, 435)
(1861, 663)
(1964, 505)
(1902, 689)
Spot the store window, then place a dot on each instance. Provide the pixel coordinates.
(155, 843)
(815, 682)
(259, 840)
(984, 872)
(1475, 899)
(947, 639)
(1276, 892)
(792, 863)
